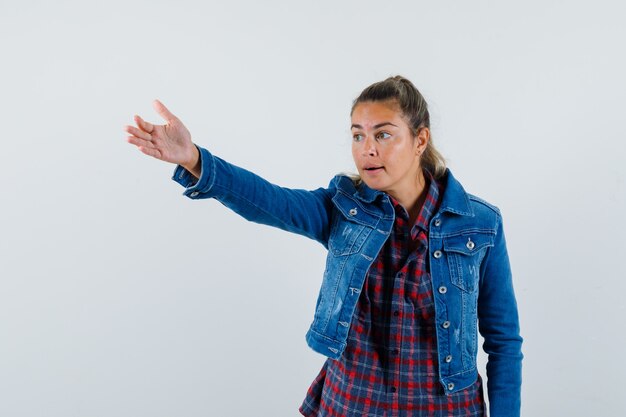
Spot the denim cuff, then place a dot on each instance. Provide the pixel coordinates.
(197, 188)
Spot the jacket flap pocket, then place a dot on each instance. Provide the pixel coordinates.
(354, 211)
(468, 243)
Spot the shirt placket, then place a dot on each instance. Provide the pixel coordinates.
(398, 308)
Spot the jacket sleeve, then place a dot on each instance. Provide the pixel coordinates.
(498, 323)
(295, 210)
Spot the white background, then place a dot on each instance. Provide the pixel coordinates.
(121, 297)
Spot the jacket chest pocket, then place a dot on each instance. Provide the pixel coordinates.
(347, 237)
(465, 252)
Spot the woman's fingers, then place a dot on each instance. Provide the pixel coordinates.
(163, 111)
(139, 133)
(151, 152)
(165, 142)
(140, 142)
(143, 125)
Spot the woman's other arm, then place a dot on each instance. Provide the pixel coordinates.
(499, 325)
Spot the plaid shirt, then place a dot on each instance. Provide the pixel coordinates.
(390, 366)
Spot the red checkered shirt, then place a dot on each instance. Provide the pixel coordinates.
(390, 365)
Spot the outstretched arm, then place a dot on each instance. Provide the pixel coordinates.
(207, 176)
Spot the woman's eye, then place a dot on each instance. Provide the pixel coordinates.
(358, 137)
(383, 135)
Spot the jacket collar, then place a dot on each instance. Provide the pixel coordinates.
(455, 199)
(367, 194)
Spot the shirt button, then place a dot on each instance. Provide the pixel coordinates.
(437, 254)
(443, 289)
(393, 389)
(450, 386)
(353, 212)
(445, 324)
(437, 222)
(396, 313)
(395, 351)
(470, 245)
(195, 193)
(449, 358)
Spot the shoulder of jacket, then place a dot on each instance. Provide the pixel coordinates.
(482, 206)
(342, 182)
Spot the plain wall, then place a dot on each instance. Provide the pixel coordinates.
(121, 297)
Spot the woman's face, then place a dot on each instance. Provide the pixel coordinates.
(384, 149)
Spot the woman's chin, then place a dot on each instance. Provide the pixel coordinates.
(373, 183)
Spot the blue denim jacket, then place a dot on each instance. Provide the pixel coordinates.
(469, 265)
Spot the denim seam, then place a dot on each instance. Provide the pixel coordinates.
(371, 213)
(485, 203)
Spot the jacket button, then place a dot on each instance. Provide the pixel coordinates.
(445, 324)
(353, 212)
(437, 222)
(437, 254)
(470, 245)
(450, 386)
(443, 290)
(195, 193)
(449, 358)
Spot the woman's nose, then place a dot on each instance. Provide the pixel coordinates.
(369, 147)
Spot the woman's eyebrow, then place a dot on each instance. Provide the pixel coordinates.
(375, 126)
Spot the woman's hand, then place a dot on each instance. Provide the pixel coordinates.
(170, 142)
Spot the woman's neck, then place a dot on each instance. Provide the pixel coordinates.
(412, 198)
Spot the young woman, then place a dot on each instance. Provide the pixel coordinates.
(415, 264)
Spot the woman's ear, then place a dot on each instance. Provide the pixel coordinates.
(423, 136)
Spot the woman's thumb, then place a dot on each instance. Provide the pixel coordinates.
(163, 111)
